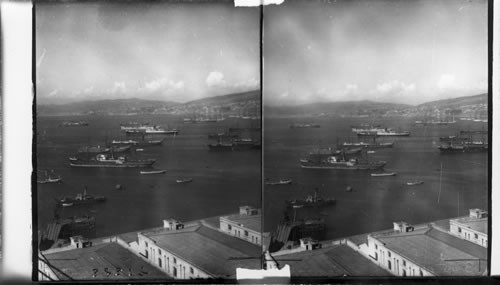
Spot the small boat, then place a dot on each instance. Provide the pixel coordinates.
(383, 174)
(153, 172)
(139, 149)
(348, 189)
(370, 151)
(184, 180)
(414, 182)
(282, 181)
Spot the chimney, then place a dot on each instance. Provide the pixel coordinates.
(403, 227)
(172, 224)
(309, 243)
(477, 213)
(248, 211)
(79, 242)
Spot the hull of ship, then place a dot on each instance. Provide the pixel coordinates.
(129, 164)
(373, 166)
(463, 150)
(161, 132)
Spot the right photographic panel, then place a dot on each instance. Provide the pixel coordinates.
(376, 131)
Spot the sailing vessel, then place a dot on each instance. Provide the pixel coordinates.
(49, 179)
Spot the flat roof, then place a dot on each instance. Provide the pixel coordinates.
(480, 225)
(208, 249)
(253, 222)
(81, 263)
(438, 251)
(332, 261)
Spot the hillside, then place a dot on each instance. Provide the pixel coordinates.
(239, 103)
(456, 102)
(350, 108)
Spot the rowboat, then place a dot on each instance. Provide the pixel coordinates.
(153, 172)
(383, 174)
(184, 180)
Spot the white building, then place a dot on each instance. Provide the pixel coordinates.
(425, 251)
(473, 228)
(246, 225)
(196, 250)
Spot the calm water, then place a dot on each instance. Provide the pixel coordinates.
(222, 181)
(225, 180)
(375, 202)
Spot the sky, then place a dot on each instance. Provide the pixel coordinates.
(388, 51)
(170, 51)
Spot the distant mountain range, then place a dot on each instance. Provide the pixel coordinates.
(457, 102)
(140, 106)
(242, 102)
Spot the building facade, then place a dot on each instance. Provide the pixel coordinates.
(246, 225)
(473, 228)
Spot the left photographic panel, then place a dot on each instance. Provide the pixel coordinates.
(148, 140)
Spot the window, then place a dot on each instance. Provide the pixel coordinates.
(389, 253)
(159, 261)
(175, 261)
(476, 236)
(376, 246)
(421, 273)
(146, 243)
(459, 229)
(229, 227)
(159, 251)
(404, 272)
(175, 271)
(389, 264)
(246, 233)
(256, 240)
(191, 270)
(404, 262)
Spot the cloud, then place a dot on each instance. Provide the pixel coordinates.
(215, 79)
(395, 87)
(162, 84)
(447, 81)
(53, 93)
(251, 83)
(119, 87)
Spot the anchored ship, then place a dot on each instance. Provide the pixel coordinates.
(298, 126)
(310, 201)
(137, 142)
(103, 160)
(383, 132)
(81, 198)
(339, 161)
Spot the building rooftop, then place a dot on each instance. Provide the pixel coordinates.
(253, 222)
(208, 249)
(83, 263)
(477, 224)
(438, 251)
(338, 260)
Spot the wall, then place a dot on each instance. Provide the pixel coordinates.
(398, 264)
(462, 231)
(171, 264)
(239, 231)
